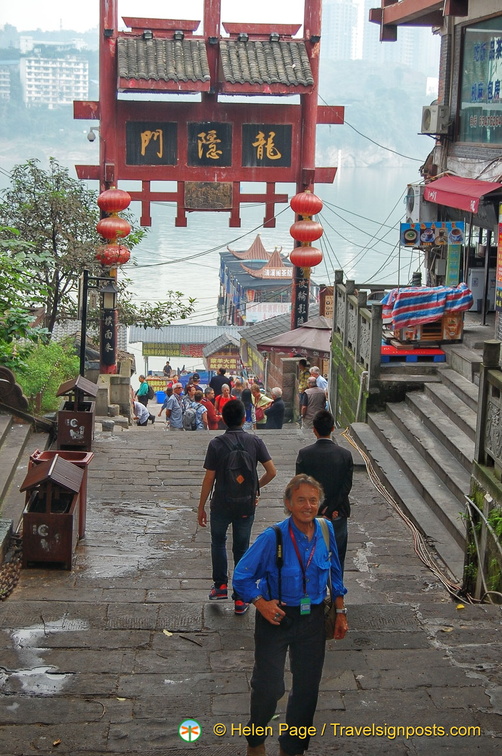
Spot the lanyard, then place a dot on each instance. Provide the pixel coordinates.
(303, 567)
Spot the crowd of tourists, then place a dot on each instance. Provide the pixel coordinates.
(194, 407)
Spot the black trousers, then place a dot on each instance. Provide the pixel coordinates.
(305, 638)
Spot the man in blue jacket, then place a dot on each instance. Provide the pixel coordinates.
(290, 614)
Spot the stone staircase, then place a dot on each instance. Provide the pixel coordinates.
(422, 450)
(17, 442)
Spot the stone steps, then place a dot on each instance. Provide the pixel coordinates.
(422, 449)
(412, 504)
(17, 442)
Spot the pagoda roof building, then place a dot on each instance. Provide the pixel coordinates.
(275, 267)
(255, 252)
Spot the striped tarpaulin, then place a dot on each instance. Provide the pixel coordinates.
(413, 306)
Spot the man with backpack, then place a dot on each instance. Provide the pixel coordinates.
(195, 414)
(232, 480)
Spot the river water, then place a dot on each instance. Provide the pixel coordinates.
(361, 216)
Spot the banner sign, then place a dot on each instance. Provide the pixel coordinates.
(431, 234)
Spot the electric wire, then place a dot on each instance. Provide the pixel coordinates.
(345, 122)
(209, 251)
(395, 152)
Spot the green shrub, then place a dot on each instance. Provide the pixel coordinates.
(45, 368)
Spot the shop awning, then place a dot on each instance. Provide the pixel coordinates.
(461, 193)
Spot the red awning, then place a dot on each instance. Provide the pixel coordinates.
(461, 193)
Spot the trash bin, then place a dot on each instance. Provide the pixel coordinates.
(50, 517)
(76, 416)
(161, 397)
(81, 459)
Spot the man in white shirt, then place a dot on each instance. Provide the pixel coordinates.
(141, 414)
(321, 381)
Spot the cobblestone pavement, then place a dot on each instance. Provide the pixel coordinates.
(111, 657)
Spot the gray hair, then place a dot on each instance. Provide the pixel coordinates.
(315, 370)
(276, 392)
(295, 483)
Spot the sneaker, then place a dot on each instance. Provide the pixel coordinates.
(240, 607)
(218, 593)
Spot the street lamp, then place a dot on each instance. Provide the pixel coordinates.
(109, 293)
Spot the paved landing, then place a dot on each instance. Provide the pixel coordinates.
(111, 657)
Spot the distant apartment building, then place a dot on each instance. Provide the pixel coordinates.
(53, 75)
(347, 35)
(5, 87)
(339, 29)
(415, 48)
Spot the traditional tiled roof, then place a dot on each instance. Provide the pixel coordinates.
(226, 339)
(163, 59)
(255, 252)
(259, 332)
(265, 62)
(179, 334)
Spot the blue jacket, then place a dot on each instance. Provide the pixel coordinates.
(257, 572)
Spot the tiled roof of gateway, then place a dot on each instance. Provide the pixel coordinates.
(162, 59)
(264, 62)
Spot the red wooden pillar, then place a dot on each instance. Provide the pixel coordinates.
(212, 23)
(300, 290)
(108, 150)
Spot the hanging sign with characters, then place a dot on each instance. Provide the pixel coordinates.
(431, 234)
(266, 144)
(210, 143)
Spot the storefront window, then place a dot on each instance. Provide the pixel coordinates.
(480, 101)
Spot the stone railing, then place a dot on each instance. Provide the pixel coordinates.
(483, 572)
(358, 326)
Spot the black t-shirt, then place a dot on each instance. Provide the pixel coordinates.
(218, 450)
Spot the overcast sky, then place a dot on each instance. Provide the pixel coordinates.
(81, 16)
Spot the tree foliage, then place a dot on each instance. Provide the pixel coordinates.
(46, 367)
(57, 216)
(20, 297)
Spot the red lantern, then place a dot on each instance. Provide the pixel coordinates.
(306, 230)
(305, 257)
(113, 254)
(113, 200)
(306, 204)
(113, 227)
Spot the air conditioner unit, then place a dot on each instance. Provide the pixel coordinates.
(435, 119)
(419, 210)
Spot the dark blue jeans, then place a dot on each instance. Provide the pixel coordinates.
(241, 533)
(305, 638)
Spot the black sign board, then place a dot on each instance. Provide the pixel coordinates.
(266, 144)
(300, 310)
(108, 337)
(150, 143)
(210, 143)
